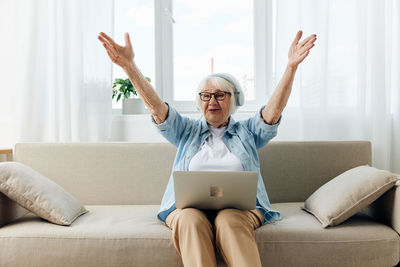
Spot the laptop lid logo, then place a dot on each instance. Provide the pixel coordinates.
(216, 191)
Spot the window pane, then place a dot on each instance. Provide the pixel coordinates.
(219, 30)
(137, 18)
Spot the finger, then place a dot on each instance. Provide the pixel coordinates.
(304, 49)
(108, 50)
(297, 38)
(305, 41)
(110, 53)
(103, 40)
(311, 41)
(109, 47)
(108, 39)
(304, 55)
(127, 40)
(307, 47)
(112, 56)
(312, 36)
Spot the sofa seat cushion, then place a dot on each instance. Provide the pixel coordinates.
(125, 235)
(300, 240)
(131, 235)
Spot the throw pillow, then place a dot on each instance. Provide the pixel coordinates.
(38, 194)
(348, 193)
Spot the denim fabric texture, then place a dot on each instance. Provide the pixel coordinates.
(242, 138)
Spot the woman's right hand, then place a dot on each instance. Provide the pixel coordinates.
(120, 55)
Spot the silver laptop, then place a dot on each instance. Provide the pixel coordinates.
(215, 190)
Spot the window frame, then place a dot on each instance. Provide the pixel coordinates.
(262, 54)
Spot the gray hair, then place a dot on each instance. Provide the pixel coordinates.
(221, 84)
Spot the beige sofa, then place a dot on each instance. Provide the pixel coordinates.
(121, 184)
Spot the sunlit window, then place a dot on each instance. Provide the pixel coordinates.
(212, 36)
(137, 18)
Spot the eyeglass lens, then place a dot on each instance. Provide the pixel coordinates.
(218, 96)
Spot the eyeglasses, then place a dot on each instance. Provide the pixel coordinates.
(219, 96)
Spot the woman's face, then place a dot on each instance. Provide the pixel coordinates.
(216, 112)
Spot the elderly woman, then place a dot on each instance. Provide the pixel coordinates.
(215, 142)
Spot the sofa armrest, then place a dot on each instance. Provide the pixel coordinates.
(10, 210)
(386, 209)
(6, 154)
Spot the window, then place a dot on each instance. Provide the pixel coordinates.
(179, 42)
(137, 18)
(196, 33)
(212, 36)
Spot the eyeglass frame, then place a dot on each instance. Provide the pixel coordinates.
(213, 94)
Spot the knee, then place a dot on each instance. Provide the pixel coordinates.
(229, 218)
(193, 218)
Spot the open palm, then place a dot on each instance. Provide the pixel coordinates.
(120, 55)
(299, 51)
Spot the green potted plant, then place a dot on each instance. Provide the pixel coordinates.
(131, 103)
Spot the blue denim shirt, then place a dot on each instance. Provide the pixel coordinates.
(242, 138)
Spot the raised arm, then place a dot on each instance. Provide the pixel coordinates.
(297, 53)
(123, 56)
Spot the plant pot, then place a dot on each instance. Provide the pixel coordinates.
(133, 106)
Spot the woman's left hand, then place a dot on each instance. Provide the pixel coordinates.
(299, 51)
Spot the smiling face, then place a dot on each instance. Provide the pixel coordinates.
(216, 112)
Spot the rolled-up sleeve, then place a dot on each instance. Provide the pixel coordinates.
(262, 131)
(174, 127)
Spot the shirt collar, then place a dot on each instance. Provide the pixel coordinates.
(230, 129)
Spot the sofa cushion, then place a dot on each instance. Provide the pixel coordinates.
(348, 193)
(132, 236)
(121, 235)
(38, 194)
(300, 240)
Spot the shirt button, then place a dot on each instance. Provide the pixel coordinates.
(197, 146)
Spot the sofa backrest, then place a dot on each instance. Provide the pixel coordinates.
(137, 173)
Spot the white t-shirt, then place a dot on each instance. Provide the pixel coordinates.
(214, 155)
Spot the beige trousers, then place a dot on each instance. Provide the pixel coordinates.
(195, 232)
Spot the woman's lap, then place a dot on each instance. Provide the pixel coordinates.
(253, 216)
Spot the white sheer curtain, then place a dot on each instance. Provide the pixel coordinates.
(349, 87)
(58, 76)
